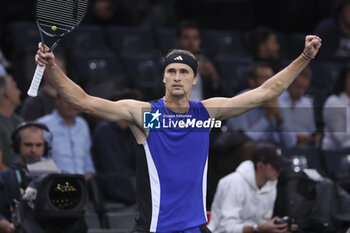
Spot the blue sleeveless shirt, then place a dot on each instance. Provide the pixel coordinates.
(177, 160)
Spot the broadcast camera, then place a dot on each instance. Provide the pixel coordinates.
(52, 203)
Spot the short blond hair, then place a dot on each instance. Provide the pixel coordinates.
(181, 51)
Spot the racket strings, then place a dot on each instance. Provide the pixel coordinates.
(64, 14)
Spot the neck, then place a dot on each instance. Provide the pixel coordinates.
(176, 104)
(68, 121)
(260, 180)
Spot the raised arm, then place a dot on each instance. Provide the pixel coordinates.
(128, 110)
(224, 108)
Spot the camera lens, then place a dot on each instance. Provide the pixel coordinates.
(65, 193)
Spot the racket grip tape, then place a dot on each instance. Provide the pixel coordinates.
(34, 86)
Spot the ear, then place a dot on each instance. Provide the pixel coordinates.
(260, 165)
(194, 81)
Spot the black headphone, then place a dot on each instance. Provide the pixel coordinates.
(16, 136)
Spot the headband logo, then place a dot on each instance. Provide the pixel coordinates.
(178, 58)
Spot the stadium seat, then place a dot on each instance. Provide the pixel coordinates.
(285, 49)
(165, 38)
(144, 71)
(337, 162)
(92, 220)
(311, 154)
(123, 221)
(99, 72)
(96, 63)
(233, 71)
(86, 37)
(297, 43)
(324, 74)
(25, 36)
(223, 42)
(130, 38)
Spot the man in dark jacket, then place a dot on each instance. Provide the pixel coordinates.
(28, 140)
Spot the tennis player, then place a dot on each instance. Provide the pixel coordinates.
(171, 179)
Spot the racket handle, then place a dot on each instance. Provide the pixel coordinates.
(34, 86)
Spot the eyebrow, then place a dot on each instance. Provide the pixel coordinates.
(180, 69)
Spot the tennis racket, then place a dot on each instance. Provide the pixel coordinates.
(55, 19)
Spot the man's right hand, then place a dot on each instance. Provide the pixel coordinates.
(43, 56)
(271, 227)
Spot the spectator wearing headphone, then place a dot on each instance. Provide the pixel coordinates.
(28, 141)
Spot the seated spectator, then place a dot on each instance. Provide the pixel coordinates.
(244, 200)
(335, 32)
(228, 151)
(28, 141)
(265, 123)
(208, 85)
(44, 102)
(9, 101)
(336, 115)
(71, 139)
(298, 111)
(114, 150)
(265, 47)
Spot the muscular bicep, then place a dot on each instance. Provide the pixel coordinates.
(225, 108)
(128, 110)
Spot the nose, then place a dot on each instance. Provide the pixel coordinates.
(34, 150)
(177, 76)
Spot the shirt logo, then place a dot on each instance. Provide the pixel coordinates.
(178, 58)
(151, 120)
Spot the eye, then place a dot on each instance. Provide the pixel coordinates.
(171, 71)
(183, 71)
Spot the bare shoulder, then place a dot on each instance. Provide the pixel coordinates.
(135, 104)
(135, 107)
